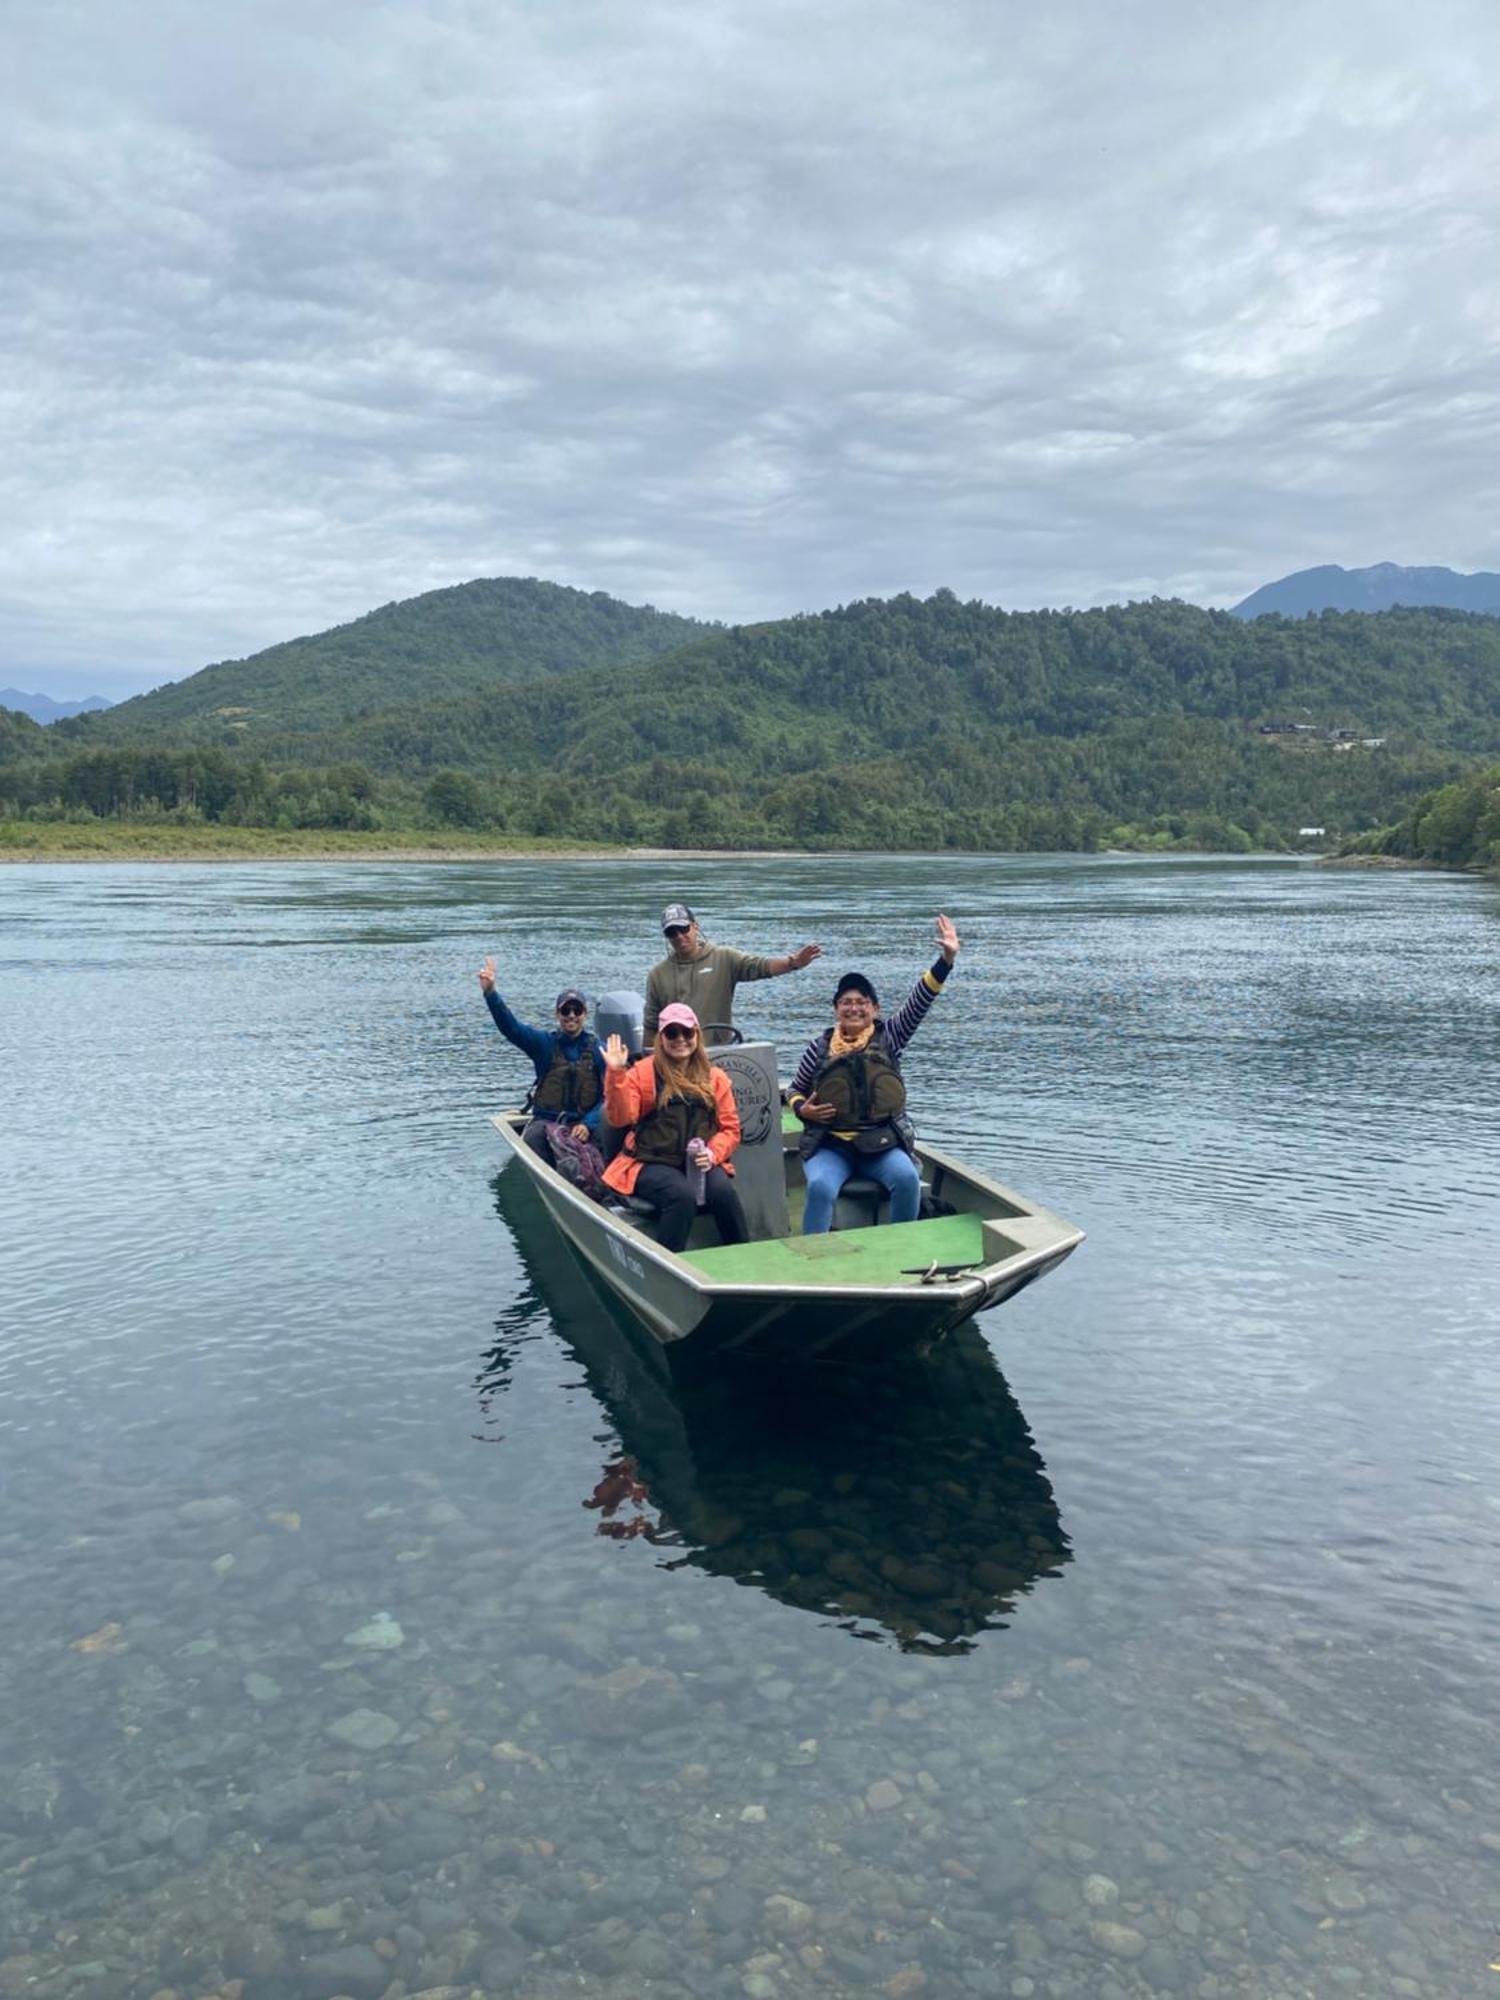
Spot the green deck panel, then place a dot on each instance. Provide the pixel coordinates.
(875, 1256)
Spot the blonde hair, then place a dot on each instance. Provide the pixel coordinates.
(685, 1076)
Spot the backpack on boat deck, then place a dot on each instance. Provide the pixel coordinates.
(578, 1161)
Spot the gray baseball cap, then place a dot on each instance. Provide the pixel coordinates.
(677, 917)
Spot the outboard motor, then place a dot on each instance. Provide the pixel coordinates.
(621, 1014)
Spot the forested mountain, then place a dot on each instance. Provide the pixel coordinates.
(1381, 587)
(448, 642)
(904, 723)
(20, 737)
(885, 677)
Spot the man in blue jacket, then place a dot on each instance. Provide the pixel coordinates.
(568, 1060)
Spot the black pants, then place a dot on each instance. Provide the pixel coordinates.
(670, 1194)
(535, 1136)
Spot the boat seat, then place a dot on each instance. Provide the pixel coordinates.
(631, 1207)
(639, 1214)
(858, 1203)
(642, 1216)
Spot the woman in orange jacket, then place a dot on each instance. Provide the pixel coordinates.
(682, 1128)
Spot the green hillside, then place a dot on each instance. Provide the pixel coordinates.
(899, 723)
(887, 676)
(446, 643)
(1457, 826)
(20, 737)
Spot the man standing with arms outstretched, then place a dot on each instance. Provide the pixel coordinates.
(703, 976)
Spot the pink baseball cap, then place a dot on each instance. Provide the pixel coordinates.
(678, 1015)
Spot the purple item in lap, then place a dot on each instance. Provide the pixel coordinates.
(578, 1161)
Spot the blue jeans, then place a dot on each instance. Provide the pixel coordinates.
(833, 1164)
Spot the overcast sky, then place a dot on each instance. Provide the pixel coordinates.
(738, 309)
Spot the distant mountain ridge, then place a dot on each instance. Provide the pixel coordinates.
(469, 639)
(42, 708)
(510, 675)
(892, 723)
(1381, 587)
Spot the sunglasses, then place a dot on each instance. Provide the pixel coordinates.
(571, 1013)
(679, 930)
(678, 1034)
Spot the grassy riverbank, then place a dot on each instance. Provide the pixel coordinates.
(123, 840)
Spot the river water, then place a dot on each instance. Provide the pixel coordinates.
(379, 1620)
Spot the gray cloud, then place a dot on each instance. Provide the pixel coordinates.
(742, 310)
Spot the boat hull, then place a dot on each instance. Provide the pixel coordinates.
(676, 1302)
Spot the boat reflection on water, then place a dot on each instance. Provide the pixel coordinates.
(907, 1503)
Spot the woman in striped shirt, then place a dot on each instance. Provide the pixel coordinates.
(850, 1096)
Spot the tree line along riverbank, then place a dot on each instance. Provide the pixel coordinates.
(900, 725)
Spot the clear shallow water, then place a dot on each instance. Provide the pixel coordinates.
(1142, 1645)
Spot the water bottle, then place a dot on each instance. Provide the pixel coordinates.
(698, 1173)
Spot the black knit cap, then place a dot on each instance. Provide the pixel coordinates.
(855, 982)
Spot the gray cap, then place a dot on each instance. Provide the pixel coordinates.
(677, 916)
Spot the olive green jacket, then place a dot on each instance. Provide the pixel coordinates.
(706, 982)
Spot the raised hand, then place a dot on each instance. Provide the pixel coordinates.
(948, 939)
(806, 955)
(616, 1055)
(487, 976)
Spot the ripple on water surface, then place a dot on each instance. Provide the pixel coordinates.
(364, 1576)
